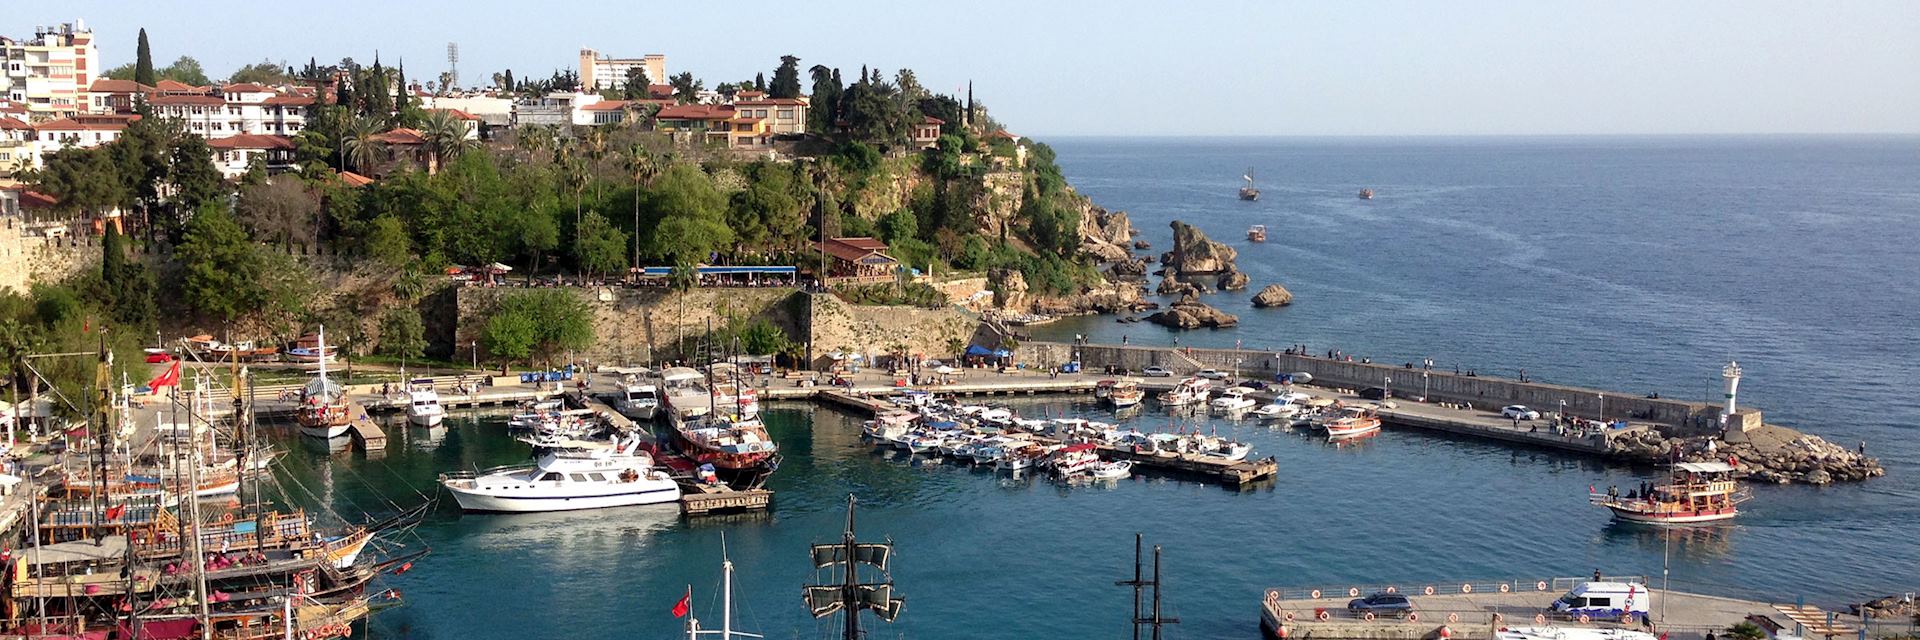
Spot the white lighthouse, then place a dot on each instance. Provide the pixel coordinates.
(1732, 373)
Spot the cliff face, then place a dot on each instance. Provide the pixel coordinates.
(1195, 254)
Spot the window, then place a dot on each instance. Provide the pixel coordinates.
(550, 477)
(577, 477)
(786, 114)
(597, 476)
(1600, 602)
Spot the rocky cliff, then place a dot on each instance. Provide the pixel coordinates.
(1195, 254)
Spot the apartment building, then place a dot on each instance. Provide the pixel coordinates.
(51, 71)
(598, 72)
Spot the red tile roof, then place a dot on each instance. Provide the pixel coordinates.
(852, 249)
(696, 112)
(245, 87)
(30, 199)
(109, 85)
(660, 90)
(252, 141)
(1003, 133)
(770, 102)
(170, 99)
(458, 114)
(177, 87)
(352, 179)
(401, 136)
(293, 100)
(606, 105)
(932, 120)
(751, 94)
(13, 123)
(87, 123)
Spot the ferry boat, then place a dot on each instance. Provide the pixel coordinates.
(1257, 233)
(1125, 393)
(1353, 422)
(1186, 392)
(1234, 400)
(1366, 194)
(323, 403)
(423, 403)
(1249, 193)
(1696, 492)
(566, 480)
(638, 401)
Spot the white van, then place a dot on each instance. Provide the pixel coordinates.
(1605, 600)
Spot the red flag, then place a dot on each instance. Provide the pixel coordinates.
(168, 378)
(685, 605)
(114, 512)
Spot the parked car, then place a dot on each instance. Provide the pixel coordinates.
(1376, 393)
(1382, 604)
(1519, 412)
(1157, 372)
(1211, 374)
(159, 358)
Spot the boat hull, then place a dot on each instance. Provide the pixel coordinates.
(1672, 518)
(646, 492)
(328, 431)
(427, 418)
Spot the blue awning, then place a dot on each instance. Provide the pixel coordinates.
(1002, 353)
(722, 271)
(977, 350)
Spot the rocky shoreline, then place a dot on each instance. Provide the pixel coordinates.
(1771, 454)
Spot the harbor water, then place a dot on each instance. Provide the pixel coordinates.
(1630, 264)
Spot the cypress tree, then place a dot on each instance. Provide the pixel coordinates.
(143, 61)
(760, 82)
(400, 94)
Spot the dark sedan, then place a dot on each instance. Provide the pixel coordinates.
(1382, 604)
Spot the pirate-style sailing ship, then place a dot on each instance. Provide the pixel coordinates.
(852, 592)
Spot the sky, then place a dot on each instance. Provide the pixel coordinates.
(1138, 68)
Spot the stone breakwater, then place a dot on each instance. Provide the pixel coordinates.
(1770, 453)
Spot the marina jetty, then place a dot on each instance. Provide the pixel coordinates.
(1490, 609)
(1626, 426)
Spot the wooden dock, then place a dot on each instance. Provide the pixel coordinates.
(366, 432)
(699, 499)
(608, 415)
(1233, 472)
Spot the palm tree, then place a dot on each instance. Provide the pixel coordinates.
(446, 136)
(683, 278)
(360, 143)
(596, 150)
(640, 165)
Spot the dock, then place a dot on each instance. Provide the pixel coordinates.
(366, 432)
(1223, 470)
(1474, 610)
(700, 499)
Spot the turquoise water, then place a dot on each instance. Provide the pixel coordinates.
(1629, 264)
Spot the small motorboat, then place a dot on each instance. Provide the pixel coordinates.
(423, 403)
(639, 401)
(1276, 410)
(1073, 459)
(1110, 470)
(1257, 233)
(1234, 400)
(567, 480)
(1353, 423)
(1366, 194)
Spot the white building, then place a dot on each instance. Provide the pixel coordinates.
(555, 109)
(599, 72)
(232, 110)
(84, 131)
(236, 153)
(493, 111)
(18, 152)
(50, 72)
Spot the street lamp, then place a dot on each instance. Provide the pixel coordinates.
(475, 346)
(1603, 405)
(1423, 382)
(1386, 386)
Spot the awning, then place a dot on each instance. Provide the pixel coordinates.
(977, 350)
(1704, 467)
(724, 271)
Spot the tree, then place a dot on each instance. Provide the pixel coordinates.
(185, 70)
(280, 209)
(387, 241)
(402, 335)
(224, 274)
(143, 62)
(446, 136)
(265, 72)
(126, 289)
(86, 180)
(693, 215)
(538, 324)
(682, 278)
(760, 81)
(686, 89)
(361, 144)
(786, 79)
(824, 110)
(899, 226)
(196, 181)
(637, 83)
(601, 247)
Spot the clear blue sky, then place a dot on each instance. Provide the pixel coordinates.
(1155, 68)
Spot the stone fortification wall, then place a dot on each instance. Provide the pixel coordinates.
(1439, 386)
(636, 325)
(838, 326)
(26, 258)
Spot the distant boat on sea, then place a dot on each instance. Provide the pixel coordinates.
(1366, 194)
(1248, 192)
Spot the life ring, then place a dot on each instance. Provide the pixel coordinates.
(1466, 588)
(1497, 618)
(1626, 618)
(1315, 594)
(1368, 616)
(1429, 590)
(1273, 594)
(1540, 586)
(226, 518)
(1393, 589)
(1353, 592)
(1539, 618)
(1584, 619)
(1289, 616)
(1504, 587)
(1453, 617)
(1413, 616)
(1324, 615)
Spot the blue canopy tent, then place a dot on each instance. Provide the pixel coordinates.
(709, 275)
(977, 350)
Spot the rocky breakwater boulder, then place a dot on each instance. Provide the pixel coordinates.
(1132, 269)
(1195, 254)
(1771, 454)
(1170, 286)
(1231, 281)
(1190, 313)
(1273, 296)
(1102, 297)
(1888, 608)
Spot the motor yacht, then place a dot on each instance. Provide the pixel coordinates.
(565, 480)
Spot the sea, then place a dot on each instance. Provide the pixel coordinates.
(1638, 264)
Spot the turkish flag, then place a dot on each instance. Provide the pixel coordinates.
(685, 605)
(114, 512)
(168, 378)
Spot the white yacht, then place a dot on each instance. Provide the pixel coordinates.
(1114, 470)
(567, 480)
(423, 403)
(1186, 392)
(1276, 410)
(639, 401)
(1234, 400)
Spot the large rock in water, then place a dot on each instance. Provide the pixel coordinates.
(1193, 253)
(1232, 281)
(1190, 313)
(1273, 296)
(1170, 286)
(1104, 234)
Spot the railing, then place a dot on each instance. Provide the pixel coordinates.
(1552, 585)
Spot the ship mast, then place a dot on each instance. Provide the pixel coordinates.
(852, 596)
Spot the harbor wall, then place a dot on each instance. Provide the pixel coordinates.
(1438, 386)
(833, 325)
(631, 326)
(28, 257)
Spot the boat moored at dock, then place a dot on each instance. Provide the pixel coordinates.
(567, 480)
